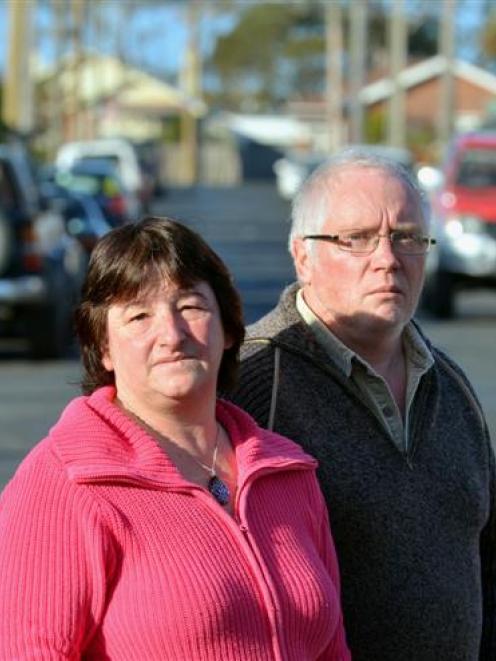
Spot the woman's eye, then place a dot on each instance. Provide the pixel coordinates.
(193, 310)
(139, 316)
(192, 306)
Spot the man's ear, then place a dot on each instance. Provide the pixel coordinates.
(302, 260)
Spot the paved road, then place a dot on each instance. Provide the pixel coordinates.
(248, 227)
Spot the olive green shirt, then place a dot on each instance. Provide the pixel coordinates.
(374, 388)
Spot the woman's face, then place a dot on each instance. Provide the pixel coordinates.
(166, 346)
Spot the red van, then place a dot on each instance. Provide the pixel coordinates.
(464, 223)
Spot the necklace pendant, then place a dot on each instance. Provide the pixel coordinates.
(219, 490)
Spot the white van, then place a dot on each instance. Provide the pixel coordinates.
(117, 150)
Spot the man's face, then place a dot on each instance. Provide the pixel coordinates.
(362, 293)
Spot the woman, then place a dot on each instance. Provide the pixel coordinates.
(155, 522)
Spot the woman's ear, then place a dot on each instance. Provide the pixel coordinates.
(228, 341)
(107, 360)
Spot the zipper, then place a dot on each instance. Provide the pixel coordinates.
(237, 524)
(266, 586)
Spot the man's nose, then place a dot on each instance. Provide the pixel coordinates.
(384, 249)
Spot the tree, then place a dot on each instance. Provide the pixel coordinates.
(272, 49)
(277, 50)
(489, 40)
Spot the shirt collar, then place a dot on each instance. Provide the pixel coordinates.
(341, 355)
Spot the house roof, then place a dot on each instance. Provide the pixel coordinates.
(273, 130)
(103, 77)
(423, 71)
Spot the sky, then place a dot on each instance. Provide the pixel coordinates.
(156, 37)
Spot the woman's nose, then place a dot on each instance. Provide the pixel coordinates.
(170, 329)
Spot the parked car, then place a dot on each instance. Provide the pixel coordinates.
(295, 167)
(82, 214)
(99, 178)
(41, 265)
(464, 223)
(150, 155)
(118, 151)
(292, 169)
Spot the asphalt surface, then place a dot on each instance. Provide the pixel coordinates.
(248, 227)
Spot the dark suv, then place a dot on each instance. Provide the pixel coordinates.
(41, 265)
(464, 223)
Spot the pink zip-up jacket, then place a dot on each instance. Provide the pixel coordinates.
(107, 552)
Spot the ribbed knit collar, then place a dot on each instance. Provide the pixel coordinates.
(286, 327)
(96, 441)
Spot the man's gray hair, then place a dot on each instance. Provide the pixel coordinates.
(312, 204)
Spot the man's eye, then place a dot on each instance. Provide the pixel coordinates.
(408, 237)
(360, 234)
(358, 237)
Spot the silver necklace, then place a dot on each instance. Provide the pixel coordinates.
(217, 487)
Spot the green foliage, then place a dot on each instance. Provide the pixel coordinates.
(423, 38)
(374, 129)
(421, 137)
(171, 129)
(265, 53)
(489, 37)
(277, 50)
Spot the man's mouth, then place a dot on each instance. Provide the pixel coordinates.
(387, 289)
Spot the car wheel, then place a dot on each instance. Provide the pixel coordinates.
(6, 243)
(48, 330)
(49, 325)
(438, 297)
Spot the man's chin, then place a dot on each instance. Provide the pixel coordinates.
(387, 317)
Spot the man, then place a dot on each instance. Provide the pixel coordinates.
(406, 464)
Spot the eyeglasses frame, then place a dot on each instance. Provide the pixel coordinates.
(335, 238)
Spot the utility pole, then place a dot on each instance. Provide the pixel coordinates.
(17, 110)
(56, 92)
(334, 73)
(99, 31)
(358, 41)
(447, 83)
(398, 39)
(191, 85)
(77, 112)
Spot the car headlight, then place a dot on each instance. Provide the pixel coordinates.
(456, 226)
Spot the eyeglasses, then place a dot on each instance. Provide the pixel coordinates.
(365, 241)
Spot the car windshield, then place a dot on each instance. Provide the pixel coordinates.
(477, 169)
(99, 163)
(89, 184)
(79, 183)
